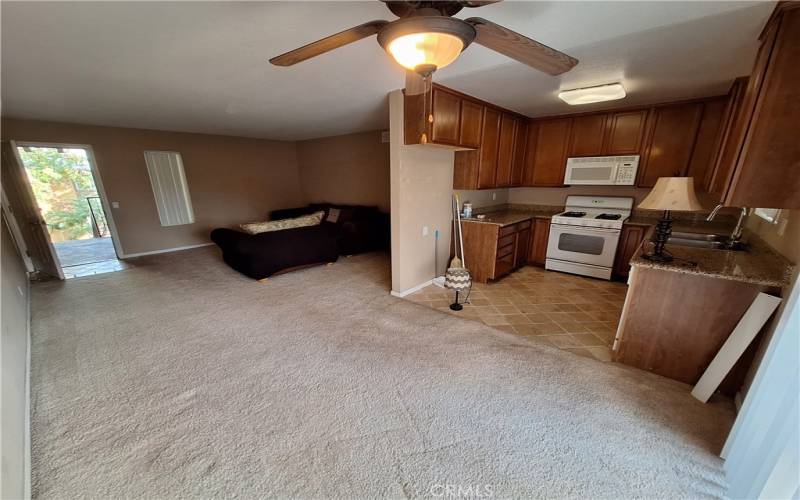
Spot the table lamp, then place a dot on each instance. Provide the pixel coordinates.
(458, 279)
(670, 194)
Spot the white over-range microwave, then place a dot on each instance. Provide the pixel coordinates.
(602, 170)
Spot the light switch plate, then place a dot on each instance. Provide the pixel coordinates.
(114, 204)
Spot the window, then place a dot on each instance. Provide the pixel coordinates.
(770, 215)
(169, 187)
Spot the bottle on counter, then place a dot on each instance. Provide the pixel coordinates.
(466, 209)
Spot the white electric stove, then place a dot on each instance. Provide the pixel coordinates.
(583, 238)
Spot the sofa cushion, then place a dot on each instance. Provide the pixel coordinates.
(277, 225)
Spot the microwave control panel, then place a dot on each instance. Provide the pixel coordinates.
(626, 173)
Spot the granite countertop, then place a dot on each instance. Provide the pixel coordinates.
(506, 217)
(758, 264)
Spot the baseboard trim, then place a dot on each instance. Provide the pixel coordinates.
(411, 290)
(165, 250)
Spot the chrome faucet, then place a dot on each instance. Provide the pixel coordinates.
(736, 234)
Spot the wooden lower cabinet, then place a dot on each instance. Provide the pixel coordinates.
(630, 239)
(540, 235)
(674, 323)
(492, 251)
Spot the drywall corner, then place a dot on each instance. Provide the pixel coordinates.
(421, 180)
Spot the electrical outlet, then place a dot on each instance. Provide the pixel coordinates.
(114, 204)
(494, 196)
(424, 230)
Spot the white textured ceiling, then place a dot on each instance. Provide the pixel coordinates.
(202, 67)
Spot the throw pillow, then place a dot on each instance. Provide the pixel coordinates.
(314, 219)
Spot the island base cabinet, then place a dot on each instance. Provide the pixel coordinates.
(674, 323)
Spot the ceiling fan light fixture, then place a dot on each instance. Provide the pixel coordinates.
(426, 41)
(588, 95)
(415, 49)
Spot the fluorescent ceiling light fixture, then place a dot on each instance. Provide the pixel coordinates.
(588, 95)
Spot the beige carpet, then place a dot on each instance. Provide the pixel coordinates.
(181, 378)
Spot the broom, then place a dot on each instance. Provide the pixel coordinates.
(456, 262)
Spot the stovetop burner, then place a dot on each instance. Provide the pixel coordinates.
(573, 214)
(609, 216)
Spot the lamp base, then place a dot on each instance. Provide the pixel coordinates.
(455, 306)
(658, 258)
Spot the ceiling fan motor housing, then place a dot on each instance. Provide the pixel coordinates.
(426, 24)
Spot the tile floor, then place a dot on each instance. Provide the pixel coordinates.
(573, 313)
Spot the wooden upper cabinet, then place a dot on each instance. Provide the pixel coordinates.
(706, 147)
(520, 148)
(469, 134)
(586, 137)
(532, 134)
(505, 151)
(550, 155)
(718, 181)
(490, 139)
(767, 170)
(446, 117)
(625, 131)
(670, 142)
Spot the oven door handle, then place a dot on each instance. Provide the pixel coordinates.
(587, 229)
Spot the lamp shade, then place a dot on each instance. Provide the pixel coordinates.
(457, 278)
(674, 194)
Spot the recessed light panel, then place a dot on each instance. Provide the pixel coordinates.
(589, 95)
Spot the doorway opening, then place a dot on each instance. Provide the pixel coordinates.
(65, 188)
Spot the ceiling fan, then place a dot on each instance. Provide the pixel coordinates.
(426, 37)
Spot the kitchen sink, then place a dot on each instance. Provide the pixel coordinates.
(705, 240)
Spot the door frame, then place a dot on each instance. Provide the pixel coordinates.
(16, 234)
(98, 182)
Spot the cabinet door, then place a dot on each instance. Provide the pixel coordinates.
(446, 117)
(505, 151)
(706, 146)
(520, 147)
(767, 173)
(630, 239)
(539, 238)
(465, 169)
(490, 138)
(550, 157)
(523, 248)
(469, 134)
(530, 153)
(586, 137)
(670, 142)
(625, 132)
(717, 184)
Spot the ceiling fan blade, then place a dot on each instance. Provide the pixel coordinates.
(520, 47)
(415, 83)
(329, 43)
(478, 3)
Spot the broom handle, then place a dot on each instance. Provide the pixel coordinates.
(460, 235)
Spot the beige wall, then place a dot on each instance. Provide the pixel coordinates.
(783, 237)
(421, 187)
(348, 169)
(557, 196)
(230, 179)
(483, 198)
(14, 347)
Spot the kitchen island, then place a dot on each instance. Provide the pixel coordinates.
(678, 314)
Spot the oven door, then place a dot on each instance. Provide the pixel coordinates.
(585, 245)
